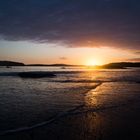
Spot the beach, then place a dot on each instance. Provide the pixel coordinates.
(76, 104)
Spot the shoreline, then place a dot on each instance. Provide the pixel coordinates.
(53, 118)
(106, 122)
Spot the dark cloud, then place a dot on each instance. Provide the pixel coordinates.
(77, 23)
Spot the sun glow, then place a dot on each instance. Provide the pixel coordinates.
(93, 63)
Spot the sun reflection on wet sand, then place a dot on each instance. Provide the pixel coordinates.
(111, 94)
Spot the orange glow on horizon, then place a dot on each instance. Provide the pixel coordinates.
(47, 54)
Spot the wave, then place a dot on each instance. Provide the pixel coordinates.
(135, 80)
(78, 81)
(122, 78)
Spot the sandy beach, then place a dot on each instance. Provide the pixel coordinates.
(111, 112)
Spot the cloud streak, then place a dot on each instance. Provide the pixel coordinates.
(138, 52)
(63, 58)
(90, 23)
(134, 59)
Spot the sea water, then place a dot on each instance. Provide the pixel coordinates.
(29, 103)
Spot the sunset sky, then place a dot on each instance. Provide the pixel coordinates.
(89, 32)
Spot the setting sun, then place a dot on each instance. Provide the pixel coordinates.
(93, 62)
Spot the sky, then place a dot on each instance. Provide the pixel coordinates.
(70, 31)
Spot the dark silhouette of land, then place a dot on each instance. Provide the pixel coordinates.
(11, 63)
(120, 65)
(55, 65)
(117, 65)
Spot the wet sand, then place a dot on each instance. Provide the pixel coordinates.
(111, 112)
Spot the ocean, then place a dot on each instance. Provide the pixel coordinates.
(27, 103)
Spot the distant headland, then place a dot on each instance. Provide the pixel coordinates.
(11, 63)
(117, 65)
(120, 65)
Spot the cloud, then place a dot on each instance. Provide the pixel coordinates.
(138, 52)
(84, 23)
(134, 59)
(63, 58)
